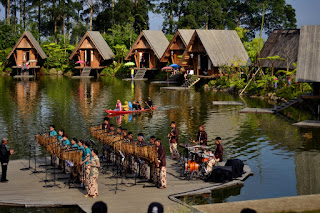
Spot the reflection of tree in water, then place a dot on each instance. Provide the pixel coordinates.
(216, 196)
(26, 93)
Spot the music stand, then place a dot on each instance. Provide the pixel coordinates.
(28, 168)
(35, 164)
(116, 187)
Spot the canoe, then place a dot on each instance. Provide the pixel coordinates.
(129, 112)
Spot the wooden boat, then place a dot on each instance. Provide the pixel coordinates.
(129, 112)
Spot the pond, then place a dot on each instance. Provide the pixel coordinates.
(284, 159)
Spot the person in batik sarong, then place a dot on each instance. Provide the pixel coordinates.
(94, 174)
(173, 141)
(161, 165)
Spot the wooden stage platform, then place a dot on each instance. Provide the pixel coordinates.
(26, 188)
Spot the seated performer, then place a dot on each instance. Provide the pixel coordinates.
(94, 173)
(173, 141)
(118, 106)
(202, 137)
(106, 124)
(149, 103)
(52, 132)
(65, 140)
(74, 143)
(161, 165)
(111, 129)
(60, 135)
(219, 149)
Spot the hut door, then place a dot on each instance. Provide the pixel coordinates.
(87, 57)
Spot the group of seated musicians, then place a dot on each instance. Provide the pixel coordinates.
(157, 169)
(211, 157)
(87, 172)
(135, 105)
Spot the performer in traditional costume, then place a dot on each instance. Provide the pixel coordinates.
(52, 132)
(87, 154)
(173, 141)
(161, 165)
(106, 124)
(94, 174)
(74, 143)
(82, 168)
(202, 137)
(143, 165)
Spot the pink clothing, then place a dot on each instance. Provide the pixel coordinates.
(118, 106)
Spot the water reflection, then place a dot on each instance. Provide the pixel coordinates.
(283, 158)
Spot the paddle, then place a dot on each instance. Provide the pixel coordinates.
(148, 105)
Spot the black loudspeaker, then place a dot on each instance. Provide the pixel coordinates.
(237, 167)
(221, 174)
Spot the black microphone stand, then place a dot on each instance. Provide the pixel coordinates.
(28, 168)
(35, 164)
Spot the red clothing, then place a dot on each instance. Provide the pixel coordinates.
(174, 138)
(203, 138)
(161, 156)
(219, 152)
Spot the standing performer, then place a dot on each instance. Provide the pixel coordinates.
(52, 132)
(94, 173)
(60, 135)
(82, 169)
(219, 149)
(65, 140)
(143, 165)
(4, 158)
(173, 140)
(74, 143)
(202, 137)
(161, 165)
(87, 154)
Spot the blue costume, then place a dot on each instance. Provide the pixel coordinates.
(86, 152)
(65, 142)
(53, 133)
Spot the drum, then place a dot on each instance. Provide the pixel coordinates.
(205, 160)
(191, 166)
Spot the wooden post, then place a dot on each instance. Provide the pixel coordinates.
(249, 81)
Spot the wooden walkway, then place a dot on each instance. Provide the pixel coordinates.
(228, 103)
(257, 110)
(26, 188)
(308, 123)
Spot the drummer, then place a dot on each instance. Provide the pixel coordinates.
(202, 137)
(52, 132)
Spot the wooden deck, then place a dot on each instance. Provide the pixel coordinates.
(308, 123)
(26, 188)
(23, 76)
(228, 103)
(257, 110)
(176, 88)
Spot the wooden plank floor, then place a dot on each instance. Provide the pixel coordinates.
(26, 188)
(257, 110)
(308, 123)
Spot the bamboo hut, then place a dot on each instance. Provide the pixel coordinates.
(177, 46)
(148, 50)
(282, 43)
(210, 50)
(93, 50)
(309, 57)
(27, 50)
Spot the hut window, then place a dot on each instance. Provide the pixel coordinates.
(91, 55)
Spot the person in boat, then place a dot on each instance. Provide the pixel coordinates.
(173, 141)
(85, 162)
(138, 106)
(52, 132)
(161, 164)
(106, 124)
(130, 106)
(74, 143)
(125, 107)
(202, 137)
(94, 173)
(118, 106)
(149, 103)
(144, 165)
(218, 153)
(134, 105)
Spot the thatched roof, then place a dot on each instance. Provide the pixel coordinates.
(33, 42)
(283, 43)
(308, 69)
(223, 47)
(100, 44)
(156, 39)
(184, 34)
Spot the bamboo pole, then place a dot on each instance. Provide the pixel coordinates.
(249, 82)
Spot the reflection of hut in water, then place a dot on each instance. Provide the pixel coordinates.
(93, 50)
(307, 172)
(309, 57)
(148, 49)
(210, 50)
(27, 50)
(26, 94)
(88, 96)
(177, 46)
(282, 43)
